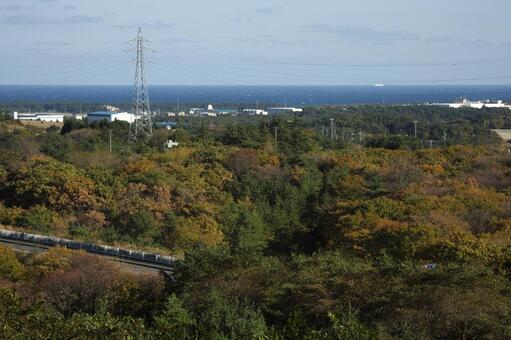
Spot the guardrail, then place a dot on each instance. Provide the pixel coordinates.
(119, 253)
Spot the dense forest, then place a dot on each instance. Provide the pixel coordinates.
(283, 229)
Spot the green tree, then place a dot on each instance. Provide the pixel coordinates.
(37, 218)
(347, 327)
(245, 229)
(175, 322)
(56, 185)
(137, 224)
(10, 267)
(223, 318)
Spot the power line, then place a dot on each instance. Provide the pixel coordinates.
(392, 65)
(276, 75)
(66, 61)
(88, 66)
(336, 80)
(194, 73)
(254, 73)
(79, 73)
(369, 65)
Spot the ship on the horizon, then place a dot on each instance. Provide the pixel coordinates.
(379, 85)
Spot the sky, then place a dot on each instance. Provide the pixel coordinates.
(277, 42)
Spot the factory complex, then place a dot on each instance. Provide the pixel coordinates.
(466, 103)
(111, 114)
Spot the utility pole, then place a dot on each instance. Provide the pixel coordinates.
(333, 131)
(384, 120)
(415, 128)
(110, 139)
(143, 125)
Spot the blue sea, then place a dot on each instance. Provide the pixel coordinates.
(265, 95)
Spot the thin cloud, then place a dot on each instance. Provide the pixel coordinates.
(268, 40)
(178, 41)
(11, 8)
(451, 40)
(265, 10)
(464, 41)
(31, 49)
(54, 43)
(157, 25)
(37, 20)
(68, 8)
(368, 34)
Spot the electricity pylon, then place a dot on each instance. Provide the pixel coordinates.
(142, 125)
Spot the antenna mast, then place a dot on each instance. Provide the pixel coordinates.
(142, 125)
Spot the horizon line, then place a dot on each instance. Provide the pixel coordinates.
(269, 85)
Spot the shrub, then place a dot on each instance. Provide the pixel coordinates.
(9, 216)
(37, 218)
(10, 267)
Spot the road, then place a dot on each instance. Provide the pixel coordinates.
(505, 134)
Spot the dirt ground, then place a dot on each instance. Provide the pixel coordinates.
(42, 125)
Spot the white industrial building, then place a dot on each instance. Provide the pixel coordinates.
(198, 111)
(40, 116)
(466, 103)
(176, 114)
(111, 116)
(210, 111)
(79, 116)
(110, 108)
(277, 110)
(254, 112)
(498, 104)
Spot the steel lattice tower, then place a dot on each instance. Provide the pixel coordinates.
(143, 125)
